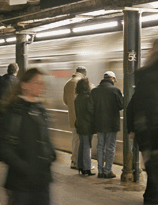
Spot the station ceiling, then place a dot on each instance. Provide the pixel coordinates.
(31, 16)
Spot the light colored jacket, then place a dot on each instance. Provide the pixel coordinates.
(70, 95)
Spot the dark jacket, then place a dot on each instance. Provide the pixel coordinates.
(26, 147)
(7, 84)
(142, 110)
(84, 120)
(105, 102)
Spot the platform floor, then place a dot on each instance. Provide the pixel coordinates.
(70, 188)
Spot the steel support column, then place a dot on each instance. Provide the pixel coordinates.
(132, 54)
(21, 53)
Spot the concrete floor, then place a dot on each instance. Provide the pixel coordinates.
(70, 188)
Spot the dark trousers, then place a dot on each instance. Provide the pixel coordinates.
(151, 192)
(29, 197)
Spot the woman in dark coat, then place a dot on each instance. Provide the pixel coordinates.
(25, 144)
(84, 126)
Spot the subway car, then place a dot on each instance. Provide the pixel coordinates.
(59, 58)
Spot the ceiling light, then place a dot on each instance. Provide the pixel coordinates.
(149, 18)
(154, 4)
(61, 23)
(53, 33)
(16, 2)
(100, 12)
(95, 27)
(11, 39)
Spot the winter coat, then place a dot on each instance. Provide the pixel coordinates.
(142, 110)
(104, 104)
(70, 95)
(84, 120)
(7, 84)
(26, 147)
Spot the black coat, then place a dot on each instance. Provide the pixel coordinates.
(84, 120)
(105, 102)
(142, 110)
(25, 147)
(7, 84)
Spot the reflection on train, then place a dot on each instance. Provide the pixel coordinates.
(59, 59)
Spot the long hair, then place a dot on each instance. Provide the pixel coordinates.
(13, 98)
(83, 86)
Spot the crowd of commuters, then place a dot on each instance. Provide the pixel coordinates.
(95, 110)
(24, 139)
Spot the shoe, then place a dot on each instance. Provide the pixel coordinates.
(92, 167)
(110, 175)
(82, 171)
(73, 165)
(100, 175)
(89, 173)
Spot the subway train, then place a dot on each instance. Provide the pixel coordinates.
(59, 58)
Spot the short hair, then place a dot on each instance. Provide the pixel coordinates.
(13, 68)
(81, 69)
(83, 86)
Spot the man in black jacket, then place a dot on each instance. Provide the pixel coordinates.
(9, 80)
(105, 102)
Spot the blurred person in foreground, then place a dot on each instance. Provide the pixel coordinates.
(105, 103)
(84, 126)
(142, 121)
(68, 98)
(25, 144)
(9, 80)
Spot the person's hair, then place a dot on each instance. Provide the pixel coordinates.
(81, 69)
(12, 68)
(153, 54)
(26, 77)
(83, 86)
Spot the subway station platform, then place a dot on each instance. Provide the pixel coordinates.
(70, 188)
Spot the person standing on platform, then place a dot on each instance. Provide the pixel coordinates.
(25, 144)
(142, 121)
(84, 126)
(9, 80)
(104, 104)
(68, 98)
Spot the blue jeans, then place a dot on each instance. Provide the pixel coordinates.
(84, 152)
(109, 139)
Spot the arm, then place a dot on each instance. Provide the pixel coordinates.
(64, 97)
(9, 144)
(119, 99)
(90, 104)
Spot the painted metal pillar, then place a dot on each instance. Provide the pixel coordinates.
(22, 53)
(132, 55)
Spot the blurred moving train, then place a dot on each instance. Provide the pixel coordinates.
(59, 59)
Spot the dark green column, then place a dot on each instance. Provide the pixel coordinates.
(132, 54)
(21, 53)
